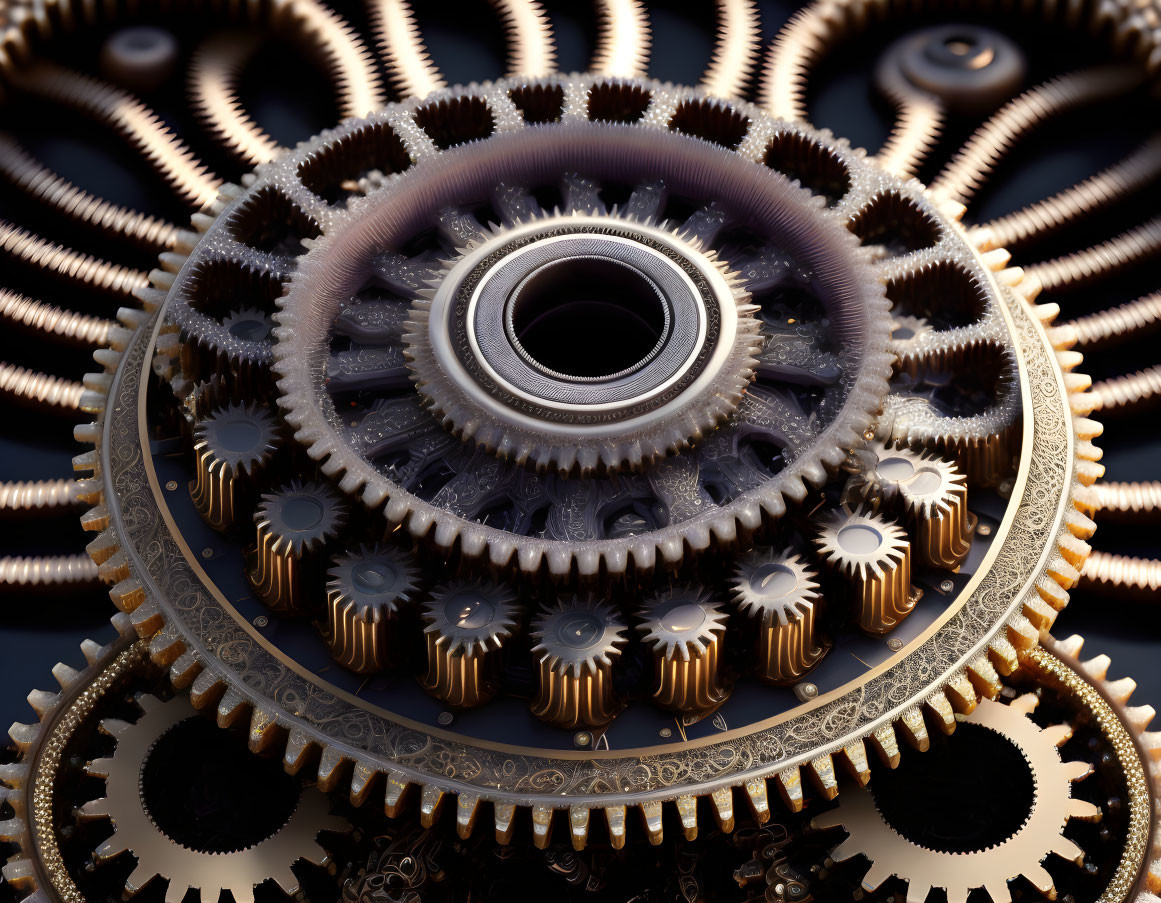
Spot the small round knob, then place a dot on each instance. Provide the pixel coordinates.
(577, 641)
(365, 590)
(231, 447)
(467, 625)
(778, 596)
(685, 631)
(869, 560)
(294, 526)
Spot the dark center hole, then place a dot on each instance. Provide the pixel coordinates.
(929, 800)
(588, 317)
(205, 790)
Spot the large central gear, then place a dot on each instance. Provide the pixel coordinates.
(442, 277)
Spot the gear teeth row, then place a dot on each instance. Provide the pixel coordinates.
(39, 754)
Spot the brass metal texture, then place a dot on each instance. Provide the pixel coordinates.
(869, 560)
(778, 594)
(366, 589)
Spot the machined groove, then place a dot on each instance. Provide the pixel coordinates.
(40, 494)
(736, 51)
(1094, 263)
(623, 40)
(531, 50)
(214, 72)
(409, 66)
(62, 570)
(40, 388)
(1119, 181)
(970, 167)
(1122, 572)
(1117, 323)
(1127, 391)
(1128, 500)
(81, 268)
(130, 118)
(45, 318)
(50, 189)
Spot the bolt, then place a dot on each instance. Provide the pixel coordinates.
(581, 739)
(946, 586)
(261, 621)
(445, 718)
(894, 644)
(207, 552)
(806, 691)
(171, 485)
(984, 530)
(666, 732)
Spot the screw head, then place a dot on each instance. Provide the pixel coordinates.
(894, 644)
(207, 552)
(946, 586)
(666, 732)
(984, 530)
(582, 739)
(171, 485)
(806, 691)
(445, 718)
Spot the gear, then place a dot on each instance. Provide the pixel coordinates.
(778, 594)
(366, 588)
(535, 282)
(511, 350)
(347, 389)
(293, 526)
(684, 630)
(869, 558)
(209, 871)
(576, 642)
(926, 867)
(468, 625)
(232, 447)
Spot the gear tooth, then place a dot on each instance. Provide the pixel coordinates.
(330, 768)
(298, 745)
(855, 757)
(722, 803)
(822, 775)
(1040, 879)
(232, 707)
(886, 745)
(542, 822)
(504, 815)
(876, 875)
(184, 669)
(206, 688)
(1097, 667)
(960, 692)
(1082, 810)
(363, 776)
(758, 799)
(467, 809)
(1120, 690)
(1052, 593)
(1022, 634)
(43, 702)
(940, 707)
(615, 820)
(1139, 717)
(984, 677)
(264, 729)
(430, 805)
(1025, 704)
(114, 846)
(1003, 656)
(999, 892)
(651, 815)
(99, 768)
(1058, 734)
(578, 825)
(914, 728)
(395, 795)
(114, 727)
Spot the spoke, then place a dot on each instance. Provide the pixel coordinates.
(704, 225)
(406, 275)
(582, 195)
